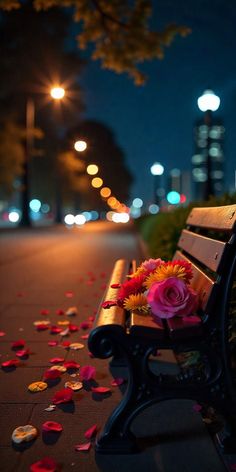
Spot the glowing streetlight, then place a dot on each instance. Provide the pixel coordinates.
(157, 170)
(208, 101)
(57, 92)
(80, 146)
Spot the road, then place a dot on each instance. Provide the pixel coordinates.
(43, 272)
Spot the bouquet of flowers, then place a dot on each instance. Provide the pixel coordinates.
(162, 288)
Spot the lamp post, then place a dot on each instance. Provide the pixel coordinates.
(208, 102)
(157, 170)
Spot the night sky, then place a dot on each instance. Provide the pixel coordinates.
(155, 122)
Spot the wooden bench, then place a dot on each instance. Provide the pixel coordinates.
(209, 243)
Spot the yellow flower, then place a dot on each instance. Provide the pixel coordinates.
(165, 271)
(136, 302)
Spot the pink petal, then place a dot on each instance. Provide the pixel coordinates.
(23, 353)
(117, 381)
(83, 447)
(52, 343)
(87, 372)
(100, 389)
(57, 360)
(44, 465)
(11, 363)
(2, 333)
(91, 432)
(71, 365)
(52, 426)
(19, 343)
(63, 396)
(73, 327)
(52, 374)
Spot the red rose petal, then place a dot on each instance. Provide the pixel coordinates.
(65, 344)
(84, 336)
(52, 426)
(2, 333)
(87, 372)
(91, 432)
(44, 465)
(85, 325)
(108, 304)
(71, 365)
(60, 312)
(42, 327)
(62, 396)
(117, 381)
(91, 318)
(52, 343)
(55, 330)
(44, 312)
(115, 285)
(23, 353)
(11, 363)
(19, 343)
(83, 447)
(73, 328)
(69, 294)
(52, 374)
(57, 360)
(100, 389)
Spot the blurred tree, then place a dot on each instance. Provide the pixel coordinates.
(103, 151)
(119, 31)
(11, 154)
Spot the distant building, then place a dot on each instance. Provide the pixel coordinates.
(208, 159)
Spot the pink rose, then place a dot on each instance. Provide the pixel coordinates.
(152, 264)
(171, 297)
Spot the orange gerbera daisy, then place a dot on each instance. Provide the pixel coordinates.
(136, 302)
(180, 270)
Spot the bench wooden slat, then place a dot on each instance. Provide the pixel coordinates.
(206, 250)
(144, 325)
(200, 281)
(184, 327)
(216, 218)
(114, 315)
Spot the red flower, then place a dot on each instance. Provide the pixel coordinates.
(44, 465)
(132, 286)
(52, 426)
(187, 268)
(62, 396)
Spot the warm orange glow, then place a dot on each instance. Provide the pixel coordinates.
(105, 192)
(92, 169)
(80, 146)
(57, 93)
(97, 182)
(111, 201)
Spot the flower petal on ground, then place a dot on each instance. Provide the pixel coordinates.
(72, 311)
(71, 365)
(69, 294)
(74, 385)
(42, 327)
(2, 333)
(63, 396)
(115, 285)
(41, 322)
(73, 328)
(11, 363)
(52, 374)
(52, 426)
(44, 312)
(83, 447)
(50, 408)
(37, 386)
(24, 433)
(85, 325)
(76, 346)
(100, 389)
(55, 330)
(22, 353)
(60, 368)
(108, 304)
(44, 465)
(60, 312)
(84, 336)
(87, 372)
(91, 432)
(56, 360)
(17, 344)
(117, 381)
(52, 343)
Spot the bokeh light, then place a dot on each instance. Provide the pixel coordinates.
(92, 169)
(97, 182)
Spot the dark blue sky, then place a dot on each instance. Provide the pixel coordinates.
(155, 122)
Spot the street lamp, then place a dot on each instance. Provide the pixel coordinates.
(157, 170)
(80, 145)
(208, 103)
(57, 93)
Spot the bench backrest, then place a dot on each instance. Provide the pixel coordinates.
(209, 243)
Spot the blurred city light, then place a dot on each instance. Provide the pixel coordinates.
(80, 146)
(13, 216)
(96, 182)
(157, 169)
(137, 202)
(45, 208)
(94, 215)
(87, 215)
(69, 219)
(208, 101)
(135, 212)
(120, 217)
(35, 205)
(153, 209)
(57, 93)
(92, 169)
(80, 219)
(105, 192)
(109, 215)
(173, 197)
